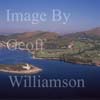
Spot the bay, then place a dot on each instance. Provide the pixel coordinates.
(51, 69)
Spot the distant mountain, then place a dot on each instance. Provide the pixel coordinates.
(52, 36)
(95, 31)
(31, 36)
(90, 34)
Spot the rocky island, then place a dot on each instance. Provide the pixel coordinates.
(19, 69)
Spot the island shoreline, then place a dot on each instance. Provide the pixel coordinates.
(16, 70)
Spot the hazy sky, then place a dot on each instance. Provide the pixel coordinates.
(85, 14)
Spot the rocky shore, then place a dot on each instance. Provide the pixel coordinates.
(19, 69)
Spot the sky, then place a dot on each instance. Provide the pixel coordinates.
(84, 15)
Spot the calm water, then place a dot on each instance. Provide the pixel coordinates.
(51, 69)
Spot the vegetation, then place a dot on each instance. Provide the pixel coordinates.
(83, 52)
(85, 49)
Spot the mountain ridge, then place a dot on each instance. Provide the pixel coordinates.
(28, 36)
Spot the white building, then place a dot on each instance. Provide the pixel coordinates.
(27, 67)
(70, 46)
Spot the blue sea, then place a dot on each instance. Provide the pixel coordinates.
(51, 69)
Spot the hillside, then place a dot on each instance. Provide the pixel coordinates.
(30, 36)
(85, 47)
(90, 34)
(54, 39)
(95, 31)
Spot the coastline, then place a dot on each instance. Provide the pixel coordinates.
(16, 70)
(32, 71)
(96, 63)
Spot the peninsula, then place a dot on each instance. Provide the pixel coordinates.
(20, 69)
